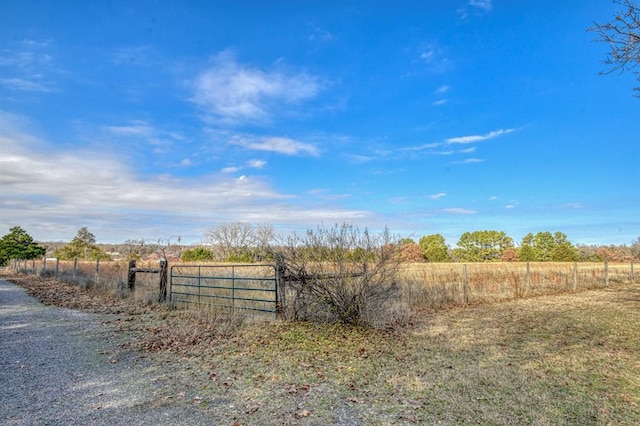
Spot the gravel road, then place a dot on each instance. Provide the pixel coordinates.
(64, 367)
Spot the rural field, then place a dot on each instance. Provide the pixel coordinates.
(571, 358)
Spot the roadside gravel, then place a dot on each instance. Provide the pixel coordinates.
(65, 367)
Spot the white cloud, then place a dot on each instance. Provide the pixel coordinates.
(479, 138)
(469, 150)
(230, 169)
(26, 85)
(135, 128)
(28, 68)
(457, 210)
(440, 102)
(438, 196)
(52, 193)
(442, 89)
(481, 4)
(280, 145)
(234, 93)
(470, 161)
(256, 164)
(575, 205)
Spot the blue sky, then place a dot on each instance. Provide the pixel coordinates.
(154, 119)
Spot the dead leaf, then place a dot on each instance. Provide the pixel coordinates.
(302, 413)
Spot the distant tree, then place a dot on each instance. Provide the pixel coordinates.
(240, 242)
(434, 248)
(197, 254)
(563, 250)
(589, 253)
(543, 245)
(622, 34)
(17, 244)
(83, 246)
(526, 253)
(482, 246)
(547, 247)
(635, 249)
(406, 240)
(411, 253)
(510, 255)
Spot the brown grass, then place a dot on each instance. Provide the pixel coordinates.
(563, 359)
(571, 359)
(435, 285)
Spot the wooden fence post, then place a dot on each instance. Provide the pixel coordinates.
(465, 284)
(633, 279)
(97, 277)
(575, 276)
(57, 266)
(280, 287)
(528, 280)
(44, 265)
(75, 267)
(606, 273)
(164, 266)
(131, 280)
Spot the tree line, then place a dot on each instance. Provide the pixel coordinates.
(246, 243)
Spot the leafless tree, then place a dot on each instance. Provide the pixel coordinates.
(240, 241)
(622, 34)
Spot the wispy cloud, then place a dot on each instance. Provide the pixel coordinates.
(457, 210)
(27, 85)
(320, 35)
(162, 141)
(478, 138)
(439, 102)
(438, 196)
(256, 164)
(28, 67)
(470, 161)
(234, 93)
(575, 206)
(482, 4)
(433, 56)
(279, 145)
(469, 150)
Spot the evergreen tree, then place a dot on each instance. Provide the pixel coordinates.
(83, 246)
(434, 248)
(17, 244)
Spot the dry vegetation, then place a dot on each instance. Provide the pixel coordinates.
(557, 359)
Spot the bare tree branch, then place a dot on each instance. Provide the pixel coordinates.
(622, 35)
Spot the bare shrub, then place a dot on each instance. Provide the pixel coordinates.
(341, 274)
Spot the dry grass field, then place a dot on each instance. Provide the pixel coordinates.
(569, 358)
(429, 285)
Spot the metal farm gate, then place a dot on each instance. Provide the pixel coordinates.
(234, 287)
